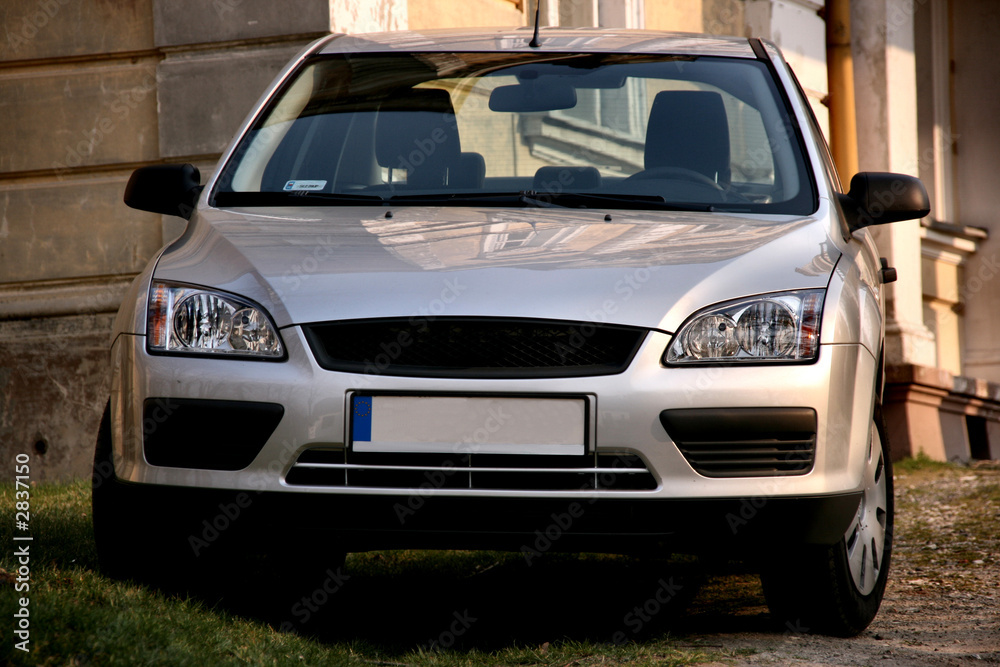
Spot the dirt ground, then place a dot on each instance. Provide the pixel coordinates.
(942, 605)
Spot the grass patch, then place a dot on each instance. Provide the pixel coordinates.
(398, 608)
(921, 463)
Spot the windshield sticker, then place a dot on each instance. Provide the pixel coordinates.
(304, 185)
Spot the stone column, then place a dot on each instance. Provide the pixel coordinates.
(975, 102)
(886, 93)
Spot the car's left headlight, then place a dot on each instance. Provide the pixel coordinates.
(192, 320)
(780, 327)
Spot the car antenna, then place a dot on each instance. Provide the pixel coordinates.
(534, 40)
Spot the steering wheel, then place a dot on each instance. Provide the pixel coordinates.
(675, 173)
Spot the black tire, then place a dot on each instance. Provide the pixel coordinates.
(837, 590)
(109, 507)
(132, 540)
(141, 538)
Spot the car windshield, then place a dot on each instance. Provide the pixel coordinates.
(524, 129)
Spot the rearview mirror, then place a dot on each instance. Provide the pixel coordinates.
(171, 189)
(878, 198)
(532, 96)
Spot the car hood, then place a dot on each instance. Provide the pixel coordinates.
(639, 268)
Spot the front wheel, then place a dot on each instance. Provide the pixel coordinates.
(837, 590)
(131, 543)
(181, 544)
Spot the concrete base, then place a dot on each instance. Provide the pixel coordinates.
(946, 417)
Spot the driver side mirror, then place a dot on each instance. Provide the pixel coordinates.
(878, 198)
(171, 189)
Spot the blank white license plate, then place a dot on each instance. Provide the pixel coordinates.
(463, 424)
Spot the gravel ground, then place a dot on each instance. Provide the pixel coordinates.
(942, 605)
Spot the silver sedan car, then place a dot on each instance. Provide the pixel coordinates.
(597, 291)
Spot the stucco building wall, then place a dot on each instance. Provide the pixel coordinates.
(92, 89)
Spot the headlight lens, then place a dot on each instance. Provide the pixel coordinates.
(775, 327)
(191, 320)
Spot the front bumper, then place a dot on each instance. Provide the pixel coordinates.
(532, 526)
(627, 409)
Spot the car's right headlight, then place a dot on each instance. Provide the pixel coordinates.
(192, 320)
(780, 327)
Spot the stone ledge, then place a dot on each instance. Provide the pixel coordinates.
(942, 379)
(62, 297)
(178, 22)
(947, 417)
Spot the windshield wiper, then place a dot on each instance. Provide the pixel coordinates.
(521, 198)
(554, 200)
(524, 197)
(627, 201)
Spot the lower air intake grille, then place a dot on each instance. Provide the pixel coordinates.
(337, 467)
(473, 347)
(744, 442)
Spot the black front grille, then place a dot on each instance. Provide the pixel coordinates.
(473, 347)
(744, 442)
(338, 467)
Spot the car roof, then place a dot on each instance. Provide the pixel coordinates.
(576, 40)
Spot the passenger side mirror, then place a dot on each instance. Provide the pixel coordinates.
(878, 198)
(171, 189)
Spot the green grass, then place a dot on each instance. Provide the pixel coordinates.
(562, 610)
(400, 602)
(921, 463)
